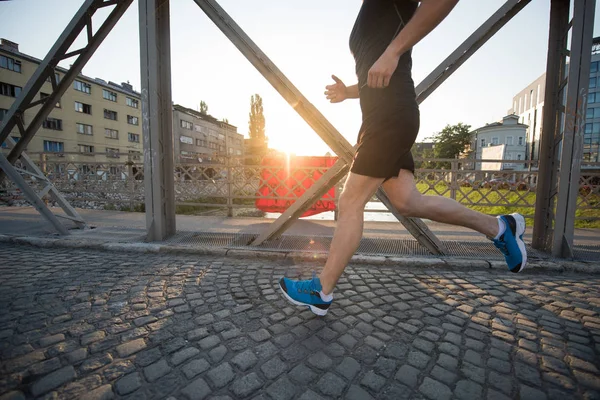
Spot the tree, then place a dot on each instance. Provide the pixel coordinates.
(451, 142)
(256, 124)
(203, 107)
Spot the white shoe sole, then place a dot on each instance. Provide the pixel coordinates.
(520, 230)
(315, 310)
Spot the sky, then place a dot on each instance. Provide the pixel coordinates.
(308, 41)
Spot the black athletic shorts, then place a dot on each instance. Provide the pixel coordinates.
(390, 116)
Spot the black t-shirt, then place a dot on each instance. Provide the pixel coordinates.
(377, 24)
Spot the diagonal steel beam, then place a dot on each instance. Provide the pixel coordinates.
(46, 69)
(308, 112)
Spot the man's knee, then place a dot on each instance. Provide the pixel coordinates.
(408, 206)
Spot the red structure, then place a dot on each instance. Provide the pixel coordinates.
(285, 179)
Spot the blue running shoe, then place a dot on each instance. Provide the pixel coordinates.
(305, 293)
(511, 242)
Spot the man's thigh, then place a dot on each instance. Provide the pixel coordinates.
(360, 188)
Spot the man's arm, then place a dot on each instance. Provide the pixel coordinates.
(429, 14)
(352, 92)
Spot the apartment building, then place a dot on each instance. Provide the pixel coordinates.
(198, 137)
(94, 120)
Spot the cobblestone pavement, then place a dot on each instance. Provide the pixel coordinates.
(100, 325)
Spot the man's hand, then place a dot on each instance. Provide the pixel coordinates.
(336, 93)
(381, 72)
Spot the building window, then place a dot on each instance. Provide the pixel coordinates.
(588, 128)
(84, 129)
(594, 67)
(592, 83)
(3, 112)
(518, 156)
(482, 142)
(108, 114)
(133, 137)
(132, 120)
(112, 152)
(111, 133)
(108, 95)
(200, 142)
(53, 147)
(86, 149)
(53, 123)
(238, 152)
(520, 140)
(56, 77)
(187, 125)
(591, 98)
(82, 86)
(589, 113)
(495, 141)
(5, 145)
(135, 155)
(186, 139)
(132, 102)
(10, 63)
(6, 89)
(44, 95)
(83, 108)
(509, 140)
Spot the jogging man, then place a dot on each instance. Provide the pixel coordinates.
(381, 41)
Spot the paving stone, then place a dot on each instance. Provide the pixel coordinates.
(282, 389)
(499, 365)
(468, 390)
(195, 367)
(244, 360)
(304, 375)
(104, 392)
(197, 390)
(221, 375)
(385, 366)
(157, 370)
(331, 385)
(495, 395)
(373, 381)
(357, 393)
(96, 362)
(408, 375)
(435, 390)
(50, 340)
(443, 375)
(448, 362)
(129, 348)
(529, 393)
(473, 372)
(274, 367)
(320, 361)
(418, 359)
(128, 384)
(183, 355)
(53, 381)
(246, 385)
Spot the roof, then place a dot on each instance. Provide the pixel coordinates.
(205, 117)
(97, 81)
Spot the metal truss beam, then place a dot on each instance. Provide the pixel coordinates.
(31, 195)
(81, 20)
(312, 116)
(564, 122)
(15, 116)
(157, 116)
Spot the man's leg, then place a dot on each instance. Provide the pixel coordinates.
(506, 231)
(403, 193)
(358, 190)
(316, 292)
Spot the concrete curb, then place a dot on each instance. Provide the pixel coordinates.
(536, 266)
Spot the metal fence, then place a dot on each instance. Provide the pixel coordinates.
(234, 183)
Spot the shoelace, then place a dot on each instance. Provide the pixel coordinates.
(306, 286)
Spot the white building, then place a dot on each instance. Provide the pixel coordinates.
(510, 132)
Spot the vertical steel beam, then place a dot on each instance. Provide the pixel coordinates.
(548, 163)
(157, 116)
(575, 114)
